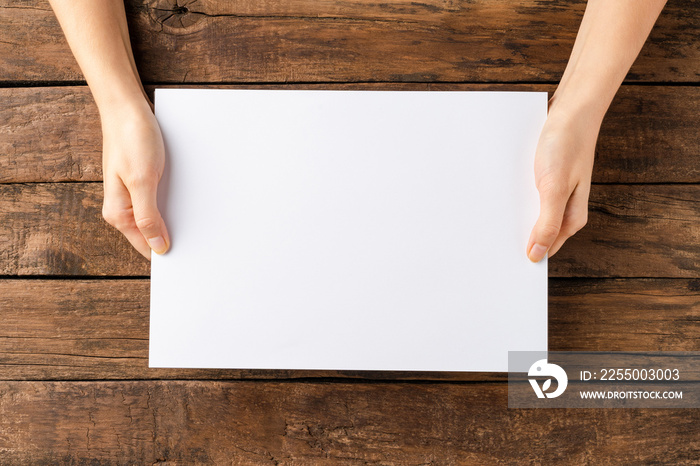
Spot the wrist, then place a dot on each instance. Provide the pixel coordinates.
(571, 106)
(118, 94)
(583, 96)
(579, 123)
(132, 109)
(577, 110)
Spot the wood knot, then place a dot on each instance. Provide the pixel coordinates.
(176, 16)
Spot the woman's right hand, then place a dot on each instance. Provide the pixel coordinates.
(563, 167)
(133, 158)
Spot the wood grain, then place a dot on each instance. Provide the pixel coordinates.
(57, 229)
(323, 423)
(358, 40)
(633, 231)
(98, 329)
(650, 139)
(624, 315)
(57, 330)
(49, 134)
(649, 135)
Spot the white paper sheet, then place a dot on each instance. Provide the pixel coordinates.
(347, 230)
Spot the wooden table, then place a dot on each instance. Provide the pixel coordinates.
(74, 382)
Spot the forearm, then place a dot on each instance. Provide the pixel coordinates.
(98, 36)
(610, 37)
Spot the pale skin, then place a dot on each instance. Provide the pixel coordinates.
(610, 37)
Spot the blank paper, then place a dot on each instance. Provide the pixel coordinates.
(347, 230)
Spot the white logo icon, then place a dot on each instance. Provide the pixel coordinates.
(542, 368)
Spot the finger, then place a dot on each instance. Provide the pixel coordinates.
(575, 217)
(134, 236)
(118, 212)
(553, 200)
(146, 215)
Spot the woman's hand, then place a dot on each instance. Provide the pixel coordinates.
(133, 155)
(133, 159)
(609, 39)
(563, 166)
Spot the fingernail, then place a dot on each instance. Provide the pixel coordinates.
(157, 244)
(537, 252)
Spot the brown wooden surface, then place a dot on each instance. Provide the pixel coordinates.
(49, 134)
(74, 383)
(349, 41)
(650, 134)
(57, 229)
(188, 422)
(98, 329)
(633, 231)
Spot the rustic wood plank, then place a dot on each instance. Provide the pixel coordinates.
(650, 139)
(359, 40)
(98, 329)
(198, 422)
(49, 134)
(624, 315)
(649, 135)
(633, 231)
(57, 229)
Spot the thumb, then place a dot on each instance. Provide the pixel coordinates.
(146, 215)
(552, 207)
